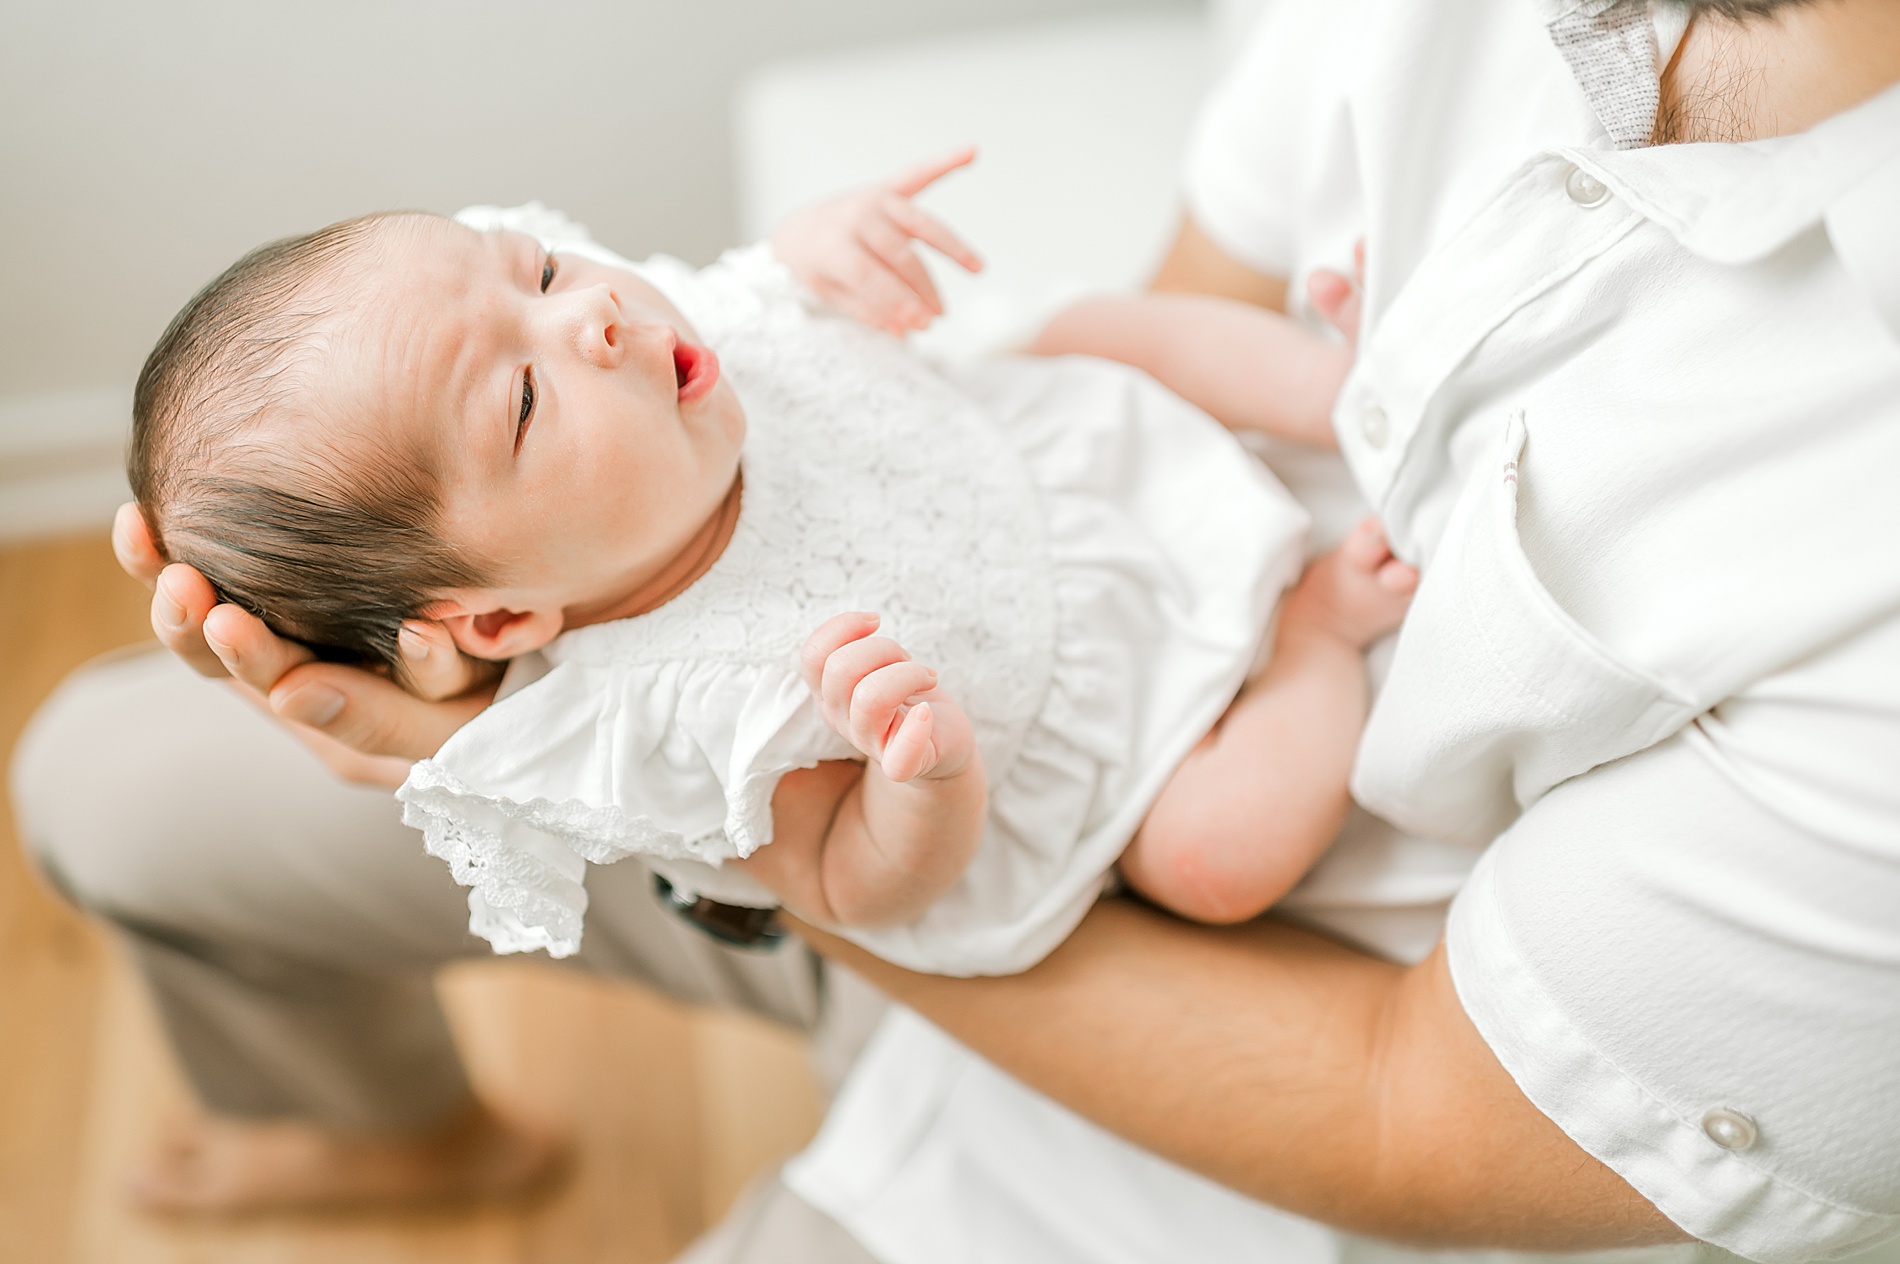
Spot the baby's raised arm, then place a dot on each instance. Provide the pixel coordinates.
(906, 830)
(1247, 367)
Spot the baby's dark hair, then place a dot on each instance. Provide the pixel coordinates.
(336, 558)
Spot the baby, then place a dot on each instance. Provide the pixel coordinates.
(727, 534)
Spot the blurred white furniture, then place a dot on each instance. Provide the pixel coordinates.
(1079, 129)
(62, 462)
(1080, 126)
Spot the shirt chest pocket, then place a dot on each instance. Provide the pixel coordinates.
(1496, 694)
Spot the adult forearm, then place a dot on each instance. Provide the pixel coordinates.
(1292, 1069)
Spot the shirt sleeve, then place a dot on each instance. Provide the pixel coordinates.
(1690, 960)
(1255, 156)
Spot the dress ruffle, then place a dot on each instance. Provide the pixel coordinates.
(597, 762)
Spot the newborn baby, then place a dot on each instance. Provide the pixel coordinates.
(724, 533)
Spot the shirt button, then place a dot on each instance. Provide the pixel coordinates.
(1585, 189)
(1730, 1129)
(1374, 425)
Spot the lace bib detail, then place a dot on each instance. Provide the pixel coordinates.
(870, 483)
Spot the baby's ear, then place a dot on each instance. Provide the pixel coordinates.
(496, 634)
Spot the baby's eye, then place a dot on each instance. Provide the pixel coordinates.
(527, 406)
(547, 272)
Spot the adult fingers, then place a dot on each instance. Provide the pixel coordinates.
(248, 649)
(834, 633)
(132, 545)
(370, 714)
(925, 174)
(181, 598)
(434, 667)
(933, 232)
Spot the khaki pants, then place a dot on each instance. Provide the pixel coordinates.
(289, 926)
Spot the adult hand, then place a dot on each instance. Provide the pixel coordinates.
(364, 725)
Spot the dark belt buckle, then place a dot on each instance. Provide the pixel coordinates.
(734, 924)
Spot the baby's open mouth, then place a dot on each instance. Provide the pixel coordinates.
(695, 369)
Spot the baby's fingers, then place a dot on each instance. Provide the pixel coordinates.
(1339, 298)
(846, 669)
(925, 174)
(912, 750)
(832, 635)
(933, 232)
(877, 704)
(876, 296)
(1396, 577)
(892, 247)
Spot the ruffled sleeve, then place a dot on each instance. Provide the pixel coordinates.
(597, 761)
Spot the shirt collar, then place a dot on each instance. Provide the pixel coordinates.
(1738, 202)
(1613, 51)
(1733, 203)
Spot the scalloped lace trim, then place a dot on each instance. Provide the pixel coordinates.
(515, 882)
(601, 835)
(510, 882)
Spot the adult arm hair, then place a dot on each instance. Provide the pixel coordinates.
(1292, 1069)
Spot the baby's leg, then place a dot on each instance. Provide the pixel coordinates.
(1253, 806)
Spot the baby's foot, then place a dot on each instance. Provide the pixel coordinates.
(1359, 591)
(883, 703)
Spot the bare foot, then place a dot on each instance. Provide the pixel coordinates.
(1359, 591)
(225, 1167)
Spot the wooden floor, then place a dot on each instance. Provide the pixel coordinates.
(672, 1110)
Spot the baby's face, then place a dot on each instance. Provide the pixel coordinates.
(585, 437)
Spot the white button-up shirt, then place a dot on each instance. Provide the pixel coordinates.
(1636, 413)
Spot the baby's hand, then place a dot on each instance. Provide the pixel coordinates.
(883, 703)
(1359, 591)
(854, 250)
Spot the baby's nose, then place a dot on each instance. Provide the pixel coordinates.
(602, 327)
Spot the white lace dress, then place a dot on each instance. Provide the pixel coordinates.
(1089, 563)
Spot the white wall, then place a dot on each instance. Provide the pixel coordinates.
(144, 144)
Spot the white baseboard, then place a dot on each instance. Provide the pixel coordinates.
(62, 461)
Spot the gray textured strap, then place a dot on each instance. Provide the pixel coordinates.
(1611, 48)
